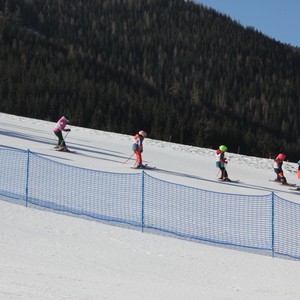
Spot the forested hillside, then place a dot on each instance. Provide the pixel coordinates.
(174, 68)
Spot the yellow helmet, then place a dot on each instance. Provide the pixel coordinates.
(223, 148)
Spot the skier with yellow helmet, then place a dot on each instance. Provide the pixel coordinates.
(221, 162)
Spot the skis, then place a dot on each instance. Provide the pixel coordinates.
(287, 184)
(295, 189)
(145, 166)
(64, 150)
(229, 180)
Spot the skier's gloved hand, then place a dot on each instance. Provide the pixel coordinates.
(68, 129)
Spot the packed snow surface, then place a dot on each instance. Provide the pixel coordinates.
(44, 255)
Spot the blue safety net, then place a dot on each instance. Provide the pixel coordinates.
(265, 223)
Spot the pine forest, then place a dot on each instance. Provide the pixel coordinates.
(178, 70)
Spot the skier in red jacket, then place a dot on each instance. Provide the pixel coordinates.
(278, 162)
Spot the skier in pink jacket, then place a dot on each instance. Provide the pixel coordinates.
(58, 129)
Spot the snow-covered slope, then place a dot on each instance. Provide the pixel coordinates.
(44, 255)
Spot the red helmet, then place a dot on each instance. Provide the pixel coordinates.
(280, 156)
(143, 133)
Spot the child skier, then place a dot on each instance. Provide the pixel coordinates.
(221, 161)
(278, 162)
(298, 187)
(137, 148)
(58, 129)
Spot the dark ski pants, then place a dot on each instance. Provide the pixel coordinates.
(223, 172)
(280, 176)
(61, 141)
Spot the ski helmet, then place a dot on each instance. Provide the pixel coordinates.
(66, 118)
(143, 133)
(223, 148)
(299, 162)
(281, 156)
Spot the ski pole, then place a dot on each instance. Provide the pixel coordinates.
(64, 139)
(66, 135)
(128, 159)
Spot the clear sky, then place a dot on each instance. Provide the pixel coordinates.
(278, 19)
